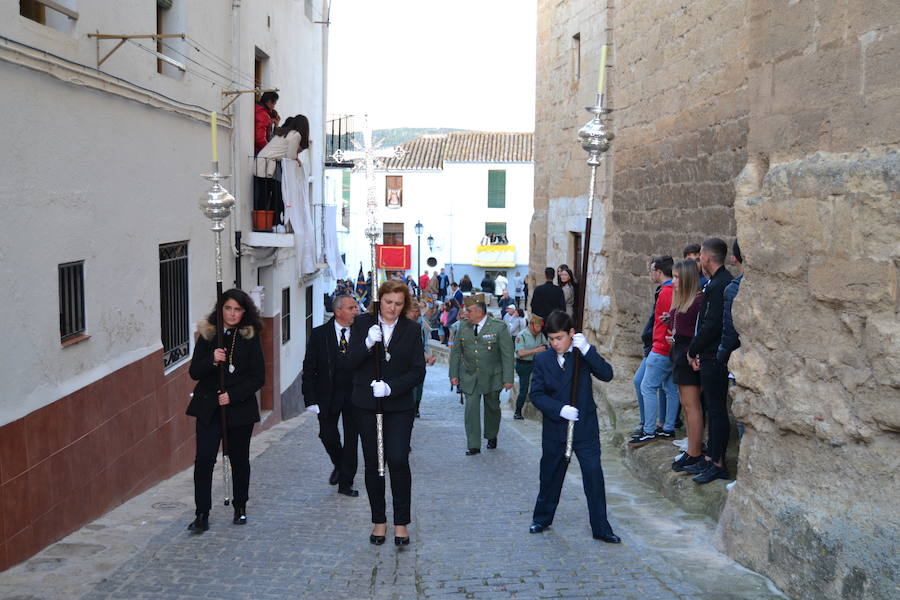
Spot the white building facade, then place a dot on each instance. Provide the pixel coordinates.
(461, 187)
(107, 261)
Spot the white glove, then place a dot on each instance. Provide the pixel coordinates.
(380, 389)
(374, 336)
(580, 342)
(569, 412)
(313, 408)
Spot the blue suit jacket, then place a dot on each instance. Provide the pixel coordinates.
(551, 389)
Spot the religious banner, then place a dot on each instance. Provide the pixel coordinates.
(394, 258)
(495, 255)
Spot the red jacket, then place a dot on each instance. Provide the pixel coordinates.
(423, 281)
(660, 329)
(261, 121)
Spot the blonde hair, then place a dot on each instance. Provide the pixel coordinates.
(393, 286)
(688, 285)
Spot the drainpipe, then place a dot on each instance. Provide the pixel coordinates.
(235, 145)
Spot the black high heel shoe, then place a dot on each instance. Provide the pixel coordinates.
(200, 523)
(401, 541)
(376, 539)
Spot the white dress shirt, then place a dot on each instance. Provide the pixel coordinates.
(480, 324)
(387, 331)
(561, 358)
(337, 332)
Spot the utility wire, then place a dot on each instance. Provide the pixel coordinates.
(191, 71)
(229, 80)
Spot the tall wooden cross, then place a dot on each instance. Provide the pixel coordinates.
(370, 157)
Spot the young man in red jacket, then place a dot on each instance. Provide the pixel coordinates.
(658, 369)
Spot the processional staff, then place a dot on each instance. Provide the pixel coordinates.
(594, 139)
(216, 204)
(370, 157)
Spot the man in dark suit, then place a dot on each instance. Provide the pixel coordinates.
(547, 297)
(551, 390)
(326, 382)
(702, 356)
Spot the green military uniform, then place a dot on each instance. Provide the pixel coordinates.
(482, 363)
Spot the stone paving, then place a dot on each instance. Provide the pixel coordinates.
(469, 533)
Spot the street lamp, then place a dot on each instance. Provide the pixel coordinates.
(419, 230)
(431, 243)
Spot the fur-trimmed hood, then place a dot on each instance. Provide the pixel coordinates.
(208, 330)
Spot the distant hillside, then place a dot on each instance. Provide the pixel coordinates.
(393, 137)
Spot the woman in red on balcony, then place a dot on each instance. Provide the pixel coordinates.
(245, 374)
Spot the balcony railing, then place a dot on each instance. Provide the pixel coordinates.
(340, 132)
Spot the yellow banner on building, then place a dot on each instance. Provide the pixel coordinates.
(495, 256)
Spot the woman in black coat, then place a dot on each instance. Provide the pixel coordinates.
(396, 343)
(244, 375)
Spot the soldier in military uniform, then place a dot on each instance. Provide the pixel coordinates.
(481, 363)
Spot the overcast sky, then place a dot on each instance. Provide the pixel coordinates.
(467, 64)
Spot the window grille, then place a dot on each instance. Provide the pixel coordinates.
(71, 300)
(496, 189)
(285, 315)
(174, 305)
(309, 311)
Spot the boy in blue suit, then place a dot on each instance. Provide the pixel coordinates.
(551, 390)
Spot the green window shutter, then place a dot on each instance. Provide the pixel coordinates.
(345, 185)
(496, 189)
(497, 228)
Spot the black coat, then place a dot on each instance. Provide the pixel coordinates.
(546, 298)
(318, 370)
(248, 377)
(709, 328)
(647, 334)
(404, 372)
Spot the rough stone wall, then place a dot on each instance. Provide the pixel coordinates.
(816, 504)
(680, 118)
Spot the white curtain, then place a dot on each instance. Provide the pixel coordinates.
(295, 191)
(332, 254)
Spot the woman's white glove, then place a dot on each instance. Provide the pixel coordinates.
(580, 342)
(380, 389)
(374, 336)
(313, 408)
(569, 413)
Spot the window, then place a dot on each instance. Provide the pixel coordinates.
(309, 311)
(345, 197)
(173, 302)
(496, 189)
(392, 234)
(170, 19)
(60, 16)
(576, 56)
(285, 315)
(393, 191)
(71, 300)
(495, 228)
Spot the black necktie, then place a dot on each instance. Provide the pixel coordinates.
(343, 344)
(476, 330)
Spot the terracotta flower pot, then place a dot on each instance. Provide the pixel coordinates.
(263, 220)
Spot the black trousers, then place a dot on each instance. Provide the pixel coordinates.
(553, 474)
(397, 434)
(714, 383)
(208, 440)
(344, 456)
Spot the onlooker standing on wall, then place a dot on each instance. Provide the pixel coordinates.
(647, 340)
(529, 343)
(487, 286)
(264, 119)
(547, 297)
(731, 341)
(686, 302)
(658, 370)
(565, 279)
(423, 281)
(465, 284)
(702, 354)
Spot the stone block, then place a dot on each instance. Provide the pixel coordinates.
(851, 281)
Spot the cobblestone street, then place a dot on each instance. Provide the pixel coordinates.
(469, 533)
